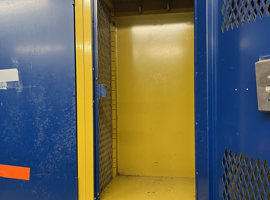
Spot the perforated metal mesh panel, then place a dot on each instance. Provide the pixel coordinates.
(105, 103)
(114, 93)
(236, 12)
(245, 178)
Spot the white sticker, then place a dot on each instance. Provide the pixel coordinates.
(9, 75)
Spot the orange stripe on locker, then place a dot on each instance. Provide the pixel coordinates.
(14, 172)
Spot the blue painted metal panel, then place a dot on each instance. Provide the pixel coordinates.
(97, 95)
(201, 102)
(38, 113)
(240, 127)
(234, 122)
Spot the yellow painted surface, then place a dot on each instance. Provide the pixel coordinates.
(84, 99)
(149, 188)
(155, 84)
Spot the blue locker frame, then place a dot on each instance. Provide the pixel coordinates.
(38, 113)
(96, 94)
(202, 103)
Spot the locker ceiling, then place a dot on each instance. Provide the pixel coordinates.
(123, 6)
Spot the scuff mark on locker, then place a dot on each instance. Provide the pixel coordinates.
(14, 172)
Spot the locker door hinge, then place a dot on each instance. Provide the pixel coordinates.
(73, 2)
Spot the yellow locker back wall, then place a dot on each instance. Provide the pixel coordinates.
(155, 83)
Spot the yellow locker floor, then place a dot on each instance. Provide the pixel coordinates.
(149, 188)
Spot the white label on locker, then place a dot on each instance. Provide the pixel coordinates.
(9, 75)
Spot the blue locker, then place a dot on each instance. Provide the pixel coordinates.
(38, 111)
(232, 135)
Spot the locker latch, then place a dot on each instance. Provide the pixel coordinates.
(262, 68)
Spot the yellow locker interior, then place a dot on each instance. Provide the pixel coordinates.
(146, 121)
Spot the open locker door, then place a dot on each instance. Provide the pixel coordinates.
(102, 95)
(238, 137)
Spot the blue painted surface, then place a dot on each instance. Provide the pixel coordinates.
(234, 120)
(97, 95)
(38, 114)
(202, 117)
(239, 125)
